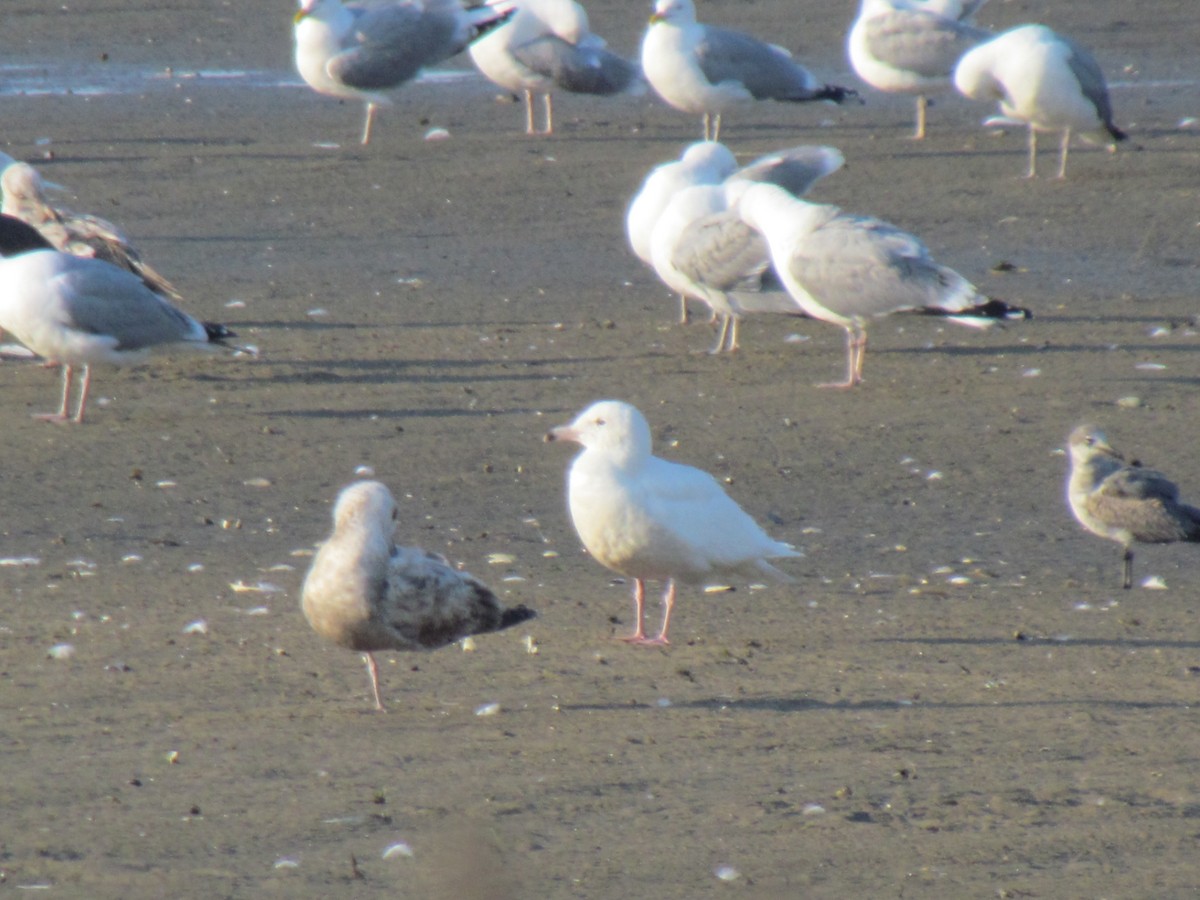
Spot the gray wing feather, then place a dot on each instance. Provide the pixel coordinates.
(432, 604)
(859, 266)
(581, 70)
(108, 301)
(1091, 81)
(927, 44)
(766, 72)
(389, 44)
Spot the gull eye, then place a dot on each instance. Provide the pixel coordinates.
(599, 421)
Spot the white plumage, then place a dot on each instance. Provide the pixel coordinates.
(650, 519)
(704, 69)
(357, 51)
(1043, 80)
(547, 46)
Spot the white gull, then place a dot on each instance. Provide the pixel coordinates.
(651, 519)
(1044, 81)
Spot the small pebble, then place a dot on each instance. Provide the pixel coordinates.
(61, 651)
(488, 709)
(400, 848)
(727, 873)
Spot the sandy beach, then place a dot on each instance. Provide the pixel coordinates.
(955, 699)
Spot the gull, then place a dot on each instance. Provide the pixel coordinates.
(365, 593)
(847, 269)
(705, 162)
(79, 234)
(546, 46)
(78, 311)
(1042, 80)
(705, 69)
(1122, 501)
(648, 518)
(704, 250)
(908, 46)
(357, 52)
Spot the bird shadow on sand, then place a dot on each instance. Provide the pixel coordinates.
(1061, 642)
(808, 704)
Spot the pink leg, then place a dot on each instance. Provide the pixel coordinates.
(529, 129)
(549, 104)
(61, 416)
(852, 364)
(366, 138)
(668, 604)
(84, 388)
(373, 671)
(639, 604)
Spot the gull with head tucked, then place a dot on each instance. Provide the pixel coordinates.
(651, 519)
(365, 593)
(1042, 80)
(1122, 501)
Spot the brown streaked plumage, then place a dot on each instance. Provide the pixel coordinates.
(1124, 502)
(365, 593)
(76, 233)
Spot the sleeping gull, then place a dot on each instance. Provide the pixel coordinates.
(1043, 80)
(703, 250)
(357, 52)
(1123, 502)
(648, 518)
(848, 269)
(78, 311)
(546, 46)
(365, 593)
(908, 46)
(76, 233)
(705, 69)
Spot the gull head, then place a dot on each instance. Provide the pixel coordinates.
(675, 12)
(1087, 441)
(364, 504)
(610, 427)
(709, 158)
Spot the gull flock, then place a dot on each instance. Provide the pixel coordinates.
(739, 239)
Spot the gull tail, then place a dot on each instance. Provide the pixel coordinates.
(837, 94)
(981, 315)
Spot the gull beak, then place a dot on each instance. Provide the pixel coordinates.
(561, 433)
(655, 18)
(301, 15)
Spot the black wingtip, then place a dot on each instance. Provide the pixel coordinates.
(1116, 133)
(17, 237)
(217, 334)
(838, 94)
(998, 309)
(515, 615)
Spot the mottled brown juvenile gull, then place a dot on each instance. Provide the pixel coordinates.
(1045, 81)
(1124, 502)
(358, 51)
(846, 270)
(78, 311)
(547, 46)
(79, 234)
(365, 593)
(704, 69)
(648, 518)
(911, 47)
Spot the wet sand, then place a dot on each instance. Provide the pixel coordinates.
(954, 700)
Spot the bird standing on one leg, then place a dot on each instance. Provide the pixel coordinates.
(365, 593)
